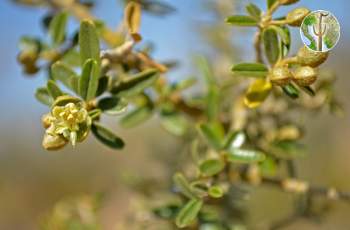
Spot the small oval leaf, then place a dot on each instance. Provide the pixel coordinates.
(113, 105)
(188, 213)
(211, 167)
(53, 89)
(42, 95)
(245, 156)
(106, 136)
(257, 93)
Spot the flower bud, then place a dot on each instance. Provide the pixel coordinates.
(305, 75)
(311, 58)
(288, 2)
(53, 142)
(296, 16)
(280, 75)
(45, 120)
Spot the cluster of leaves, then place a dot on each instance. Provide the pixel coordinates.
(237, 141)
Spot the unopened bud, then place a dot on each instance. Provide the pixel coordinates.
(51, 142)
(305, 75)
(311, 58)
(296, 16)
(280, 75)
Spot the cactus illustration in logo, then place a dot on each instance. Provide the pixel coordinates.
(320, 31)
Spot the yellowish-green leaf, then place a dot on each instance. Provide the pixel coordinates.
(89, 42)
(213, 133)
(182, 185)
(188, 213)
(215, 191)
(211, 167)
(254, 11)
(63, 73)
(133, 19)
(43, 96)
(241, 20)
(53, 89)
(57, 28)
(257, 93)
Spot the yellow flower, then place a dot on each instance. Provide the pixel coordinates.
(70, 122)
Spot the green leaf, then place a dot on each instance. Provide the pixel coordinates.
(103, 83)
(42, 95)
(65, 99)
(136, 117)
(205, 69)
(188, 213)
(182, 185)
(213, 133)
(113, 105)
(213, 103)
(63, 73)
(211, 167)
(106, 136)
(270, 3)
(309, 90)
(136, 84)
(271, 45)
(237, 155)
(282, 33)
(288, 149)
(88, 83)
(89, 43)
(215, 191)
(291, 91)
(257, 93)
(53, 89)
(250, 69)
(57, 28)
(241, 20)
(254, 11)
(235, 140)
(95, 113)
(175, 124)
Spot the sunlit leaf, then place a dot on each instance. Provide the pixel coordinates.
(89, 43)
(270, 3)
(188, 213)
(250, 69)
(215, 191)
(241, 20)
(257, 93)
(106, 136)
(254, 11)
(235, 140)
(57, 28)
(133, 19)
(244, 156)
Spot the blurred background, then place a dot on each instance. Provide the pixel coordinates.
(32, 179)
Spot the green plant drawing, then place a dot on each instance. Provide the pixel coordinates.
(321, 30)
